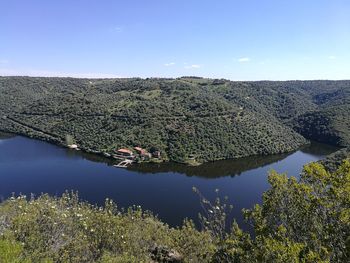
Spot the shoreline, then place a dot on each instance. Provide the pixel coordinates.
(194, 163)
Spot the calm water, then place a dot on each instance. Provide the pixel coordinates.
(31, 166)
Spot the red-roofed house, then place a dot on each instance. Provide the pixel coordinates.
(124, 154)
(140, 150)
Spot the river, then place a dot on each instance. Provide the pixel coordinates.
(31, 166)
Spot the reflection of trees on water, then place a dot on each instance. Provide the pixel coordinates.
(5, 135)
(231, 167)
(316, 148)
(90, 156)
(206, 170)
(211, 169)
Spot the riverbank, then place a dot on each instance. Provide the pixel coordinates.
(330, 161)
(343, 152)
(54, 139)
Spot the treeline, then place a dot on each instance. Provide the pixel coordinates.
(205, 118)
(306, 220)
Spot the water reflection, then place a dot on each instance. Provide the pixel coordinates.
(208, 170)
(30, 166)
(5, 135)
(319, 149)
(211, 169)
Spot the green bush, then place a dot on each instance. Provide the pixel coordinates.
(11, 251)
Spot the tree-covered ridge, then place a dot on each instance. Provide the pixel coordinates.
(330, 124)
(334, 160)
(306, 220)
(210, 119)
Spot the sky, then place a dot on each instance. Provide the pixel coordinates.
(232, 39)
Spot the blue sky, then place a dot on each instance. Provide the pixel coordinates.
(238, 40)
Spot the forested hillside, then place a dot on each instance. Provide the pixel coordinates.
(209, 119)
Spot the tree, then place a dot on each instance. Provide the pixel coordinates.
(308, 220)
(69, 139)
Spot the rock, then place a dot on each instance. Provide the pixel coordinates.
(164, 254)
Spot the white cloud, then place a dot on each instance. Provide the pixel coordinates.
(117, 29)
(194, 66)
(332, 57)
(244, 59)
(169, 64)
(45, 73)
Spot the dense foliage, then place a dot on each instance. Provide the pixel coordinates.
(335, 159)
(299, 221)
(210, 119)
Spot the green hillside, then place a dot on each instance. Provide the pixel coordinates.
(331, 124)
(210, 119)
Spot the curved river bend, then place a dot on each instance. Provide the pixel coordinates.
(31, 166)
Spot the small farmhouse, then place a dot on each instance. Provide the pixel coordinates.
(144, 154)
(124, 154)
(139, 150)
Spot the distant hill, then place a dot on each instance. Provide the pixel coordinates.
(211, 119)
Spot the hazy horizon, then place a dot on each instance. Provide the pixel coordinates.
(136, 77)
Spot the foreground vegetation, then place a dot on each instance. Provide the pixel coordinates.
(204, 118)
(306, 220)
